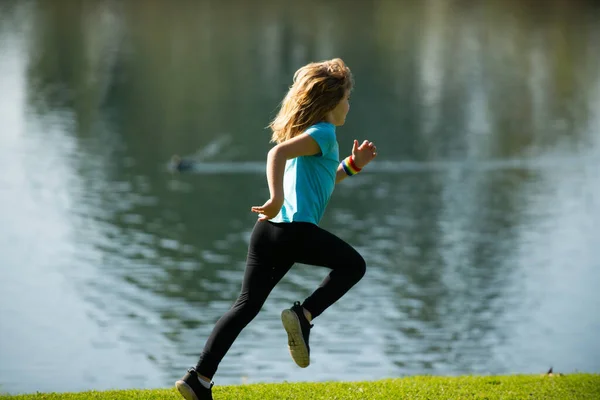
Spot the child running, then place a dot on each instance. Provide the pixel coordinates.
(302, 170)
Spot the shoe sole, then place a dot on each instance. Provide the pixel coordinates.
(296, 345)
(186, 391)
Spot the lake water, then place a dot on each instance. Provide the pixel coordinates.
(479, 220)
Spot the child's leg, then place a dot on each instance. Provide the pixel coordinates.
(267, 262)
(318, 247)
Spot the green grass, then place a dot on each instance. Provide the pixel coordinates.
(576, 386)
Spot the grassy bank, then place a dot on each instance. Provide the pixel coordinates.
(576, 386)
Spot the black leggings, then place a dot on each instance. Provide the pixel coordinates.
(274, 248)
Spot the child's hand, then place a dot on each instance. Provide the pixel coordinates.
(268, 210)
(363, 154)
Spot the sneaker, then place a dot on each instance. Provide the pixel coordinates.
(191, 389)
(298, 329)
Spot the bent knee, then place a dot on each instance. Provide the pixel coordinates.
(359, 267)
(248, 306)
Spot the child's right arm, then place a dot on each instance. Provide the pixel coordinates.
(301, 145)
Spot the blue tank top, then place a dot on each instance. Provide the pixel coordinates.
(308, 181)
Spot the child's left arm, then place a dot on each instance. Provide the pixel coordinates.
(361, 156)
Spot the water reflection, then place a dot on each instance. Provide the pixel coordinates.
(478, 221)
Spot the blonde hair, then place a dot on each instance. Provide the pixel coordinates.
(317, 88)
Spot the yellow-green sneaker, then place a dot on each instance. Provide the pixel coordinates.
(191, 388)
(298, 329)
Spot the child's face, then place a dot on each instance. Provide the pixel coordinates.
(337, 116)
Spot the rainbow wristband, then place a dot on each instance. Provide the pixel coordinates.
(350, 167)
